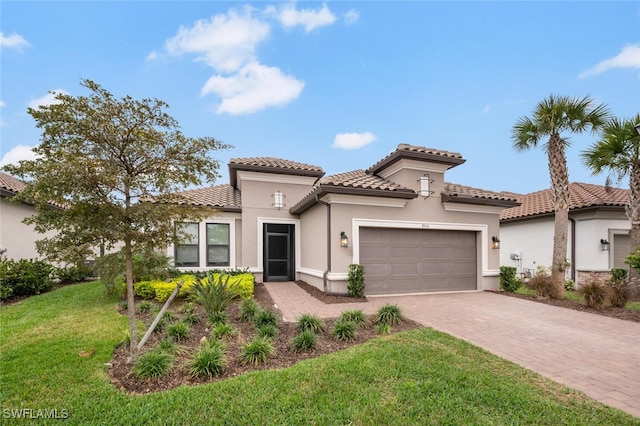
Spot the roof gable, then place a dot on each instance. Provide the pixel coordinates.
(420, 153)
(581, 196)
(271, 165)
(455, 193)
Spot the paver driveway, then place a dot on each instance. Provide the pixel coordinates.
(592, 353)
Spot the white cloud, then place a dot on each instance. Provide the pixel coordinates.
(2, 104)
(353, 140)
(351, 17)
(15, 41)
(629, 57)
(152, 56)
(311, 19)
(16, 154)
(253, 88)
(226, 42)
(46, 100)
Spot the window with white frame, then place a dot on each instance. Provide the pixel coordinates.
(187, 250)
(218, 242)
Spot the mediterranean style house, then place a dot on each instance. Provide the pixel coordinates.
(412, 231)
(598, 237)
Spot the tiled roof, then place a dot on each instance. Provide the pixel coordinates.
(419, 153)
(360, 179)
(581, 195)
(11, 184)
(454, 192)
(271, 165)
(224, 197)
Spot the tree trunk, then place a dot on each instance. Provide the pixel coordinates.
(633, 212)
(131, 307)
(560, 190)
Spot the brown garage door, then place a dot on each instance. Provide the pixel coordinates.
(417, 261)
(621, 249)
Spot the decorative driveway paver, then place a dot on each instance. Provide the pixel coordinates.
(597, 355)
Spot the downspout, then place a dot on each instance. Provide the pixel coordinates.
(326, 272)
(573, 250)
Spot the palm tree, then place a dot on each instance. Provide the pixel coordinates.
(618, 153)
(551, 117)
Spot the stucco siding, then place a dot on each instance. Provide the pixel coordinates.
(17, 238)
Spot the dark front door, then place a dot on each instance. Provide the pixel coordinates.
(278, 252)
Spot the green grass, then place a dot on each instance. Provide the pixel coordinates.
(417, 377)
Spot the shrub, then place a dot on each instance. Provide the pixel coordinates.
(209, 360)
(344, 330)
(309, 322)
(594, 292)
(147, 265)
(618, 288)
(191, 318)
(169, 346)
(71, 274)
(248, 310)
(357, 317)
(258, 350)
(178, 331)
(144, 307)
(24, 277)
(305, 341)
(383, 328)
(355, 280)
(569, 285)
(153, 364)
(213, 293)
(267, 330)
(541, 282)
(188, 308)
(219, 317)
(508, 280)
(389, 314)
(163, 290)
(145, 289)
(222, 330)
(265, 317)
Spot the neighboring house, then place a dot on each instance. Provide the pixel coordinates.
(17, 240)
(412, 231)
(598, 236)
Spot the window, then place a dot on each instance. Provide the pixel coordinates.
(217, 244)
(186, 252)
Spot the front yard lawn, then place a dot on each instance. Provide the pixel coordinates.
(416, 377)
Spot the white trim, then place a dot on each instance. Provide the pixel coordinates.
(202, 244)
(331, 276)
(364, 201)
(407, 164)
(405, 224)
(274, 178)
(312, 272)
(260, 239)
(472, 208)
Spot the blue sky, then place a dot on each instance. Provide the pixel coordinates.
(336, 84)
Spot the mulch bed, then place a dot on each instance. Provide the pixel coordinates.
(329, 298)
(620, 313)
(119, 370)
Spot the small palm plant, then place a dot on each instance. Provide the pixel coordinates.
(214, 293)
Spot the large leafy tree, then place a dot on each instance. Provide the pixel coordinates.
(618, 153)
(104, 159)
(551, 118)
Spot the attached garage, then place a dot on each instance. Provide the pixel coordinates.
(621, 249)
(400, 261)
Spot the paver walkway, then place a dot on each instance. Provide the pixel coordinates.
(597, 355)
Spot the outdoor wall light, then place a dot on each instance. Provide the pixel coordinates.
(278, 200)
(495, 243)
(344, 240)
(604, 245)
(425, 186)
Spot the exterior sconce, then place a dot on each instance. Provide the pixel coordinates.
(604, 245)
(495, 243)
(425, 186)
(278, 200)
(344, 240)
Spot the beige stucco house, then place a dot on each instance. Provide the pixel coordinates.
(412, 231)
(598, 236)
(17, 240)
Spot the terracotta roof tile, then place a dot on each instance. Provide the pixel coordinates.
(275, 163)
(360, 179)
(456, 190)
(419, 153)
(581, 195)
(11, 184)
(224, 197)
(440, 152)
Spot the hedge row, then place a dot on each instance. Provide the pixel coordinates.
(161, 290)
